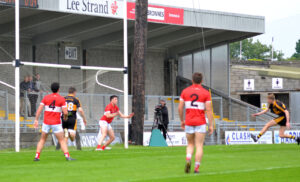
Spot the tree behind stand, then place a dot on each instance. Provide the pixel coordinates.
(140, 48)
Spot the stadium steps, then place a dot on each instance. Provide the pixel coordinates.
(2, 113)
(30, 139)
(175, 100)
(23, 122)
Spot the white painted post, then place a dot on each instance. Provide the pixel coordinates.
(17, 76)
(125, 74)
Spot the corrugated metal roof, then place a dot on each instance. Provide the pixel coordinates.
(47, 25)
(200, 18)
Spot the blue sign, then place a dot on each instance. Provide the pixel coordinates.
(244, 137)
(278, 140)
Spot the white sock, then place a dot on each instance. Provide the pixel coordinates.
(188, 157)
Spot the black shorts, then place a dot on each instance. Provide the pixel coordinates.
(70, 124)
(281, 120)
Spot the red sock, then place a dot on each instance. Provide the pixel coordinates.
(197, 165)
(103, 147)
(67, 154)
(37, 155)
(99, 146)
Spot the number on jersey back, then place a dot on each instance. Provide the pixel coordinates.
(195, 98)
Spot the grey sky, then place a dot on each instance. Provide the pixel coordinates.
(282, 17)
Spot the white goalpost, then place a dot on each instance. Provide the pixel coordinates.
(61, 66)
(17, 75)
(17, 63)
(125, 74)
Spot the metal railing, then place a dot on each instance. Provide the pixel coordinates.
(225, 108)
(239, 110)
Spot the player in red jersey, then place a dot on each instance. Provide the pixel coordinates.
(54, 105)
(197, 101)
(111, 111)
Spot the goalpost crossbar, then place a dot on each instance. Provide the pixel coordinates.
(65, 66)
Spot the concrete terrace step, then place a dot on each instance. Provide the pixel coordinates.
(7, 140)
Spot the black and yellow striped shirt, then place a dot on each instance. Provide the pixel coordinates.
(73, 104)
(277, 107)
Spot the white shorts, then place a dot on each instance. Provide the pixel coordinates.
(194, 129)
(71, 131)
(55, 128)
(80, 121)
(105, 124)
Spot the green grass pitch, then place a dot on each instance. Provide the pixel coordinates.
(274, 163)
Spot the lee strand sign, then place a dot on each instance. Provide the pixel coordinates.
(159, 14)
(109, 8)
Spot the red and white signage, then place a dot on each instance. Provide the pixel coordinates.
(159, 14)
(106, 8)
(114, 9)
(23, 3)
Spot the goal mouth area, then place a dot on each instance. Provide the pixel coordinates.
(93, 85)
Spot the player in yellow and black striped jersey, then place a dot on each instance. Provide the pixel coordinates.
(283, 119)
(73, 105)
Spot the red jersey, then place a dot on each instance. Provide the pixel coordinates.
(53, 107)
(110, 109)
(195, 98)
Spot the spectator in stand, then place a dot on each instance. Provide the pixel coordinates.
(39, 86)
(24, 88)
(38, 83)
(33, 96)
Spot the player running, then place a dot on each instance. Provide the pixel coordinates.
(111, 111)
(54, 105)
(283, 119)
(73, 105)
(197, 101)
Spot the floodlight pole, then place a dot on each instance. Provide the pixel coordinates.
(125, 74)
(272, 56)
(17, 76)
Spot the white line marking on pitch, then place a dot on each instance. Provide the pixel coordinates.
(215, 173)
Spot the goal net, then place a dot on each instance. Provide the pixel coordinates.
(94, 85)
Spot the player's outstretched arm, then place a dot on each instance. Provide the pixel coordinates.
(37, 116)
(260, 113)
(180, 111)
(124, 116)
(209, 114)
(109, 115)
(82, 114)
